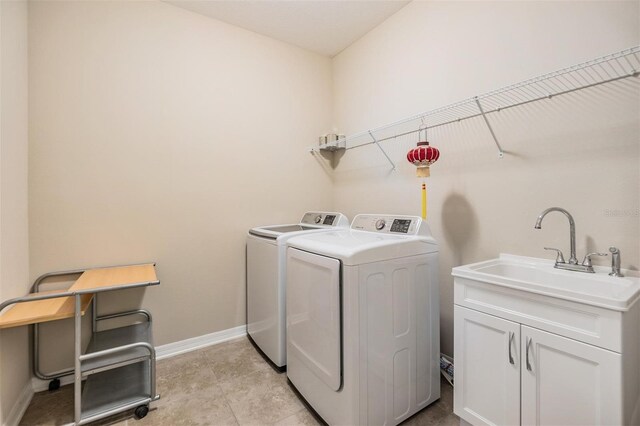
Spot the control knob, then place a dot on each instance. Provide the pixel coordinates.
(380, 224)
(318, 219)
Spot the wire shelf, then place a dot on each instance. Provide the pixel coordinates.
(606, 69)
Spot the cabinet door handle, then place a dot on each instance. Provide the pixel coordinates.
(529, 340)
(511, 336)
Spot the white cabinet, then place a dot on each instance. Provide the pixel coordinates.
(510, 374)
(534, 345)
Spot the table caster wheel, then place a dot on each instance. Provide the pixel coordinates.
(141, 411)
(54, 384)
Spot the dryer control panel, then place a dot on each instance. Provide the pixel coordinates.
(388, 224)
(324, 219)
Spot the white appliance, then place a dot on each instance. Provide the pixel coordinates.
(363, 337)
(266, 257)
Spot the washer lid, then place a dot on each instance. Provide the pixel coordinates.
(371, 238)
(311, 221)
(354, 247)
(274, 232)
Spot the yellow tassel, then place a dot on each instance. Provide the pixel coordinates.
(424, 201)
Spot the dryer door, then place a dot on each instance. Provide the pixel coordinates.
(314, 314)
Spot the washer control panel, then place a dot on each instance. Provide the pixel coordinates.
(324, 219)
(402, 225)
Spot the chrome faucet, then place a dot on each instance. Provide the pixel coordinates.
(573, 260)
(615, 262)
(573, 264)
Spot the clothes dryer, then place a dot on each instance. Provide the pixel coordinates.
(363, 336)
(266, 258)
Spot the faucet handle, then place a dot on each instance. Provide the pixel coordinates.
(559, 257)
(587, 258)
(615, 262)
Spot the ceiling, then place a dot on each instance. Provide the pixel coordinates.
(326, 27)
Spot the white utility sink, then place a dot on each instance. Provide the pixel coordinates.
(539, 276)
(536, 345)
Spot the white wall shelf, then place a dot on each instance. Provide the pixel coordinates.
(605, 69)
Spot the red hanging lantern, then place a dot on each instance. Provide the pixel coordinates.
(422, 157)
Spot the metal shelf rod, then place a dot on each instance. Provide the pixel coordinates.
(487, 112)
(571, 79)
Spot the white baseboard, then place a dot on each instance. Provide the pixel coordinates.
(188, 345)
(167, 351)
(21, 405)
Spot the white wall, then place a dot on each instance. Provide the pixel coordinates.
(14, 250)
(157, 134)
(580, 151)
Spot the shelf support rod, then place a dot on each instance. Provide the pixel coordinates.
(493, 135)
(393, 166)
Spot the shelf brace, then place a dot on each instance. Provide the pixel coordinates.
(393, 166)
(493, 135)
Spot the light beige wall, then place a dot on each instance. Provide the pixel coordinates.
(159, 134)
(14, 251)
(580, 151)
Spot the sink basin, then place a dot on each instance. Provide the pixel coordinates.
(539, 276)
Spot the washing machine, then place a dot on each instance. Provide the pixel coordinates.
(266, 258)
(363, 336)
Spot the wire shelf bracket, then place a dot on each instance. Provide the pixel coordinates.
(393, 166)
(493, 134)
(605, 69)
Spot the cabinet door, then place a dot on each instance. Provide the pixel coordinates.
(487, 362)
(565, 382)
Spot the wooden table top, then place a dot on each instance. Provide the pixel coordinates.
(99, 279)
(118, 276)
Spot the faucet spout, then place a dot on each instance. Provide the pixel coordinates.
(573, 260)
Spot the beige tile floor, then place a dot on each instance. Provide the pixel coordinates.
(226, 384)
